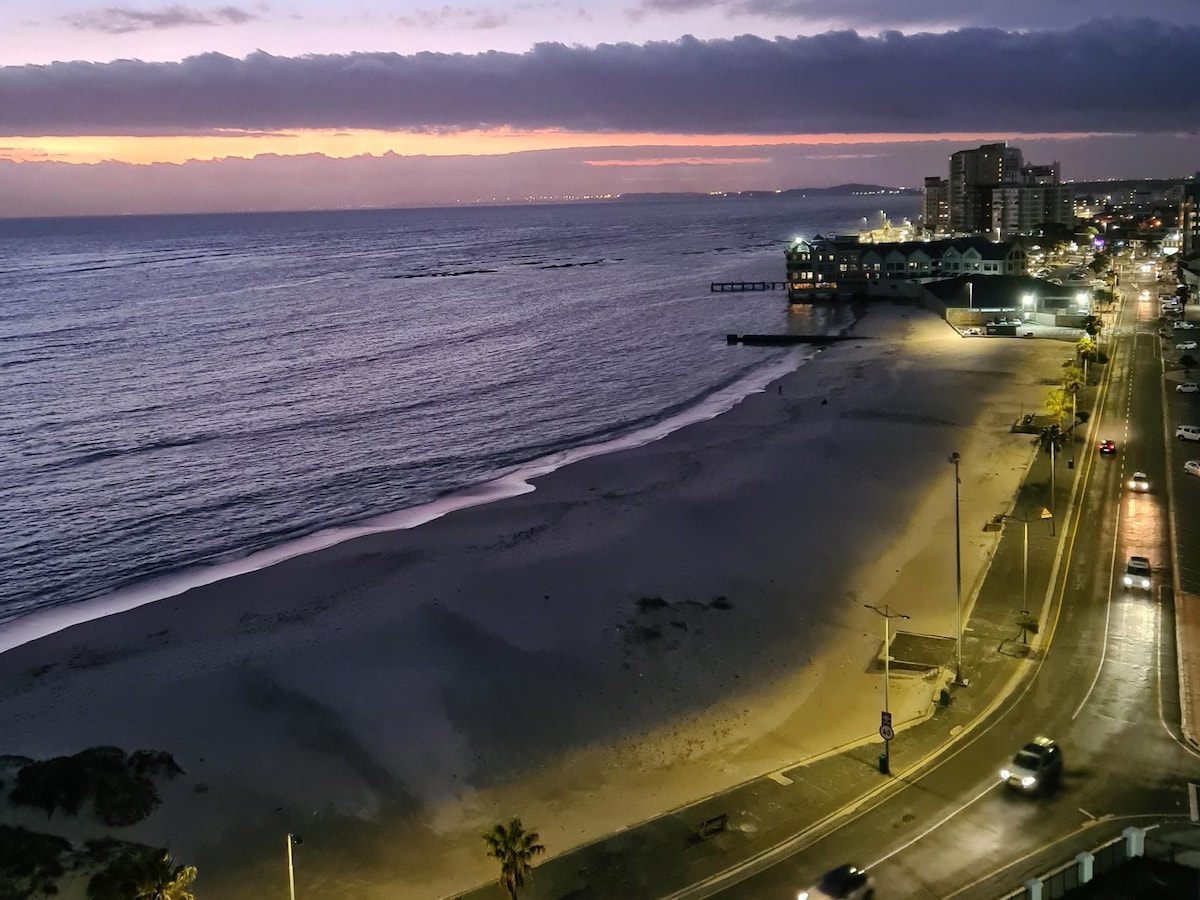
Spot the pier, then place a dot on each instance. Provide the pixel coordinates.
(782, 339)
(722, 286)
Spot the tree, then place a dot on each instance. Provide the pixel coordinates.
(1093, 325)
(513, 847)
(140, 873)
(1086, 347)
(1188, 362)
(1057, 404)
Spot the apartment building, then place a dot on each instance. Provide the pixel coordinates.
(991, 191)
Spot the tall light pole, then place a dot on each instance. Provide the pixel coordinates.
(958, 679)
(291, 839)
(885, 729)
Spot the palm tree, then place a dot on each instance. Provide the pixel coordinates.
(1072, 384)
(1057, 403)
(513, 847)
(162, 880)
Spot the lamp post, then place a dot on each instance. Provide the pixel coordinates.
(291, 839)
(958, 679)
(885, 763)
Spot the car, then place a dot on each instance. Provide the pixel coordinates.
(1107, 447)
(1187, 432)
(846, 882)
(1076, 276)
(1137, 573)
(1187, 325)
(1186, 345)
(1037, 767)
(1139, 482)
(1187, 387)
(1192, 467)
(1015, 320)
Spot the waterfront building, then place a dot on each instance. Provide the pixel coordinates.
(1189, 218)
(973, 176)
(844, 267)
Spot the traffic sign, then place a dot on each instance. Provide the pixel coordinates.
(885, 726)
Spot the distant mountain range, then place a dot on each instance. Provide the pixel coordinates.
(842, 190)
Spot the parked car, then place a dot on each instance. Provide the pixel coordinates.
(1188, 432)
(1192, 467)
(1186, 345)
(1037, 767)
(1139, 482)
(1137, 573)
(1188, 325)
(843, 883)
(1107, 447)
(1187, 387)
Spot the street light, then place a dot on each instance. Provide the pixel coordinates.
(291, 839)
(958, 679)
(885, 763)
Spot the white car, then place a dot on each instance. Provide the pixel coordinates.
(1139, 482)
(1137, 573)
(1187, 387)
(1186, 345)
(1188, 325)
(1188, 432)
(843, 883)
(1192, 467)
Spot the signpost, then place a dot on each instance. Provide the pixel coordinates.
(885, 726)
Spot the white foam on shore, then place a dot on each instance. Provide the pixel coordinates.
(44, 622)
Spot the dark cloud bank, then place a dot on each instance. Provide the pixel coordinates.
(1107, 75)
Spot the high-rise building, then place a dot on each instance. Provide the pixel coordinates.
(974, 174)
(1038, 199)
(990, 191)
(1189, 218)
(935, 205)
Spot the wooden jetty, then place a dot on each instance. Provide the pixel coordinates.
(722, 286)
(783, 339)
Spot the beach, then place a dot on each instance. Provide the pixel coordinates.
(643, 629)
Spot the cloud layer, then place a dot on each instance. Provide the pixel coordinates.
(1103, 76)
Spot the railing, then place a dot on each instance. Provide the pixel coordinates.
(1101, 860)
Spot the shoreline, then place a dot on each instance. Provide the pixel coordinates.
(41, 623)
(393, 696)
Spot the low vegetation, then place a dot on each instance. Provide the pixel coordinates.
(119, 790)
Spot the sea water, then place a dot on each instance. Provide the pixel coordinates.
(186, 397)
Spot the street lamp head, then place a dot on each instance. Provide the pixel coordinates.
(954, 457)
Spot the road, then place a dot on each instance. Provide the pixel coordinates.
(1106, 687)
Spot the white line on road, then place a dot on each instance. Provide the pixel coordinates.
(936, 825)
(1088, 814)
(1193, 806)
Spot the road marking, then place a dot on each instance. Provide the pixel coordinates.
(1088, 814)
(1193, 806)
(780, 778)
(987, 790)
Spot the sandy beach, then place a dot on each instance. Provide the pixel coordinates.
(643, 629)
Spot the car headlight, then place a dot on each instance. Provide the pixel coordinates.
(1146, 583)
(803, 895)
(1028, 781)
(1128, 581)
(1005, 774)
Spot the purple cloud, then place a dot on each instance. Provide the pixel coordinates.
(876, 15)
(1101, 76)
(454, 17)
(124, 19)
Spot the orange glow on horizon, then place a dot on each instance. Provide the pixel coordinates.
(146, 150)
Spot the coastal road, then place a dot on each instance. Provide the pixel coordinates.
(1105, 689)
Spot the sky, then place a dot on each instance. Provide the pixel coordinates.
(116, 107)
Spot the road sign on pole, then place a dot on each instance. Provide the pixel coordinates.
(885, 726)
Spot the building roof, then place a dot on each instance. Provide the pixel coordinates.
(997, 291)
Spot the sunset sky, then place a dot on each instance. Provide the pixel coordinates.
(152, 107)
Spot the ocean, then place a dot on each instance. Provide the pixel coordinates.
(187, 397)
